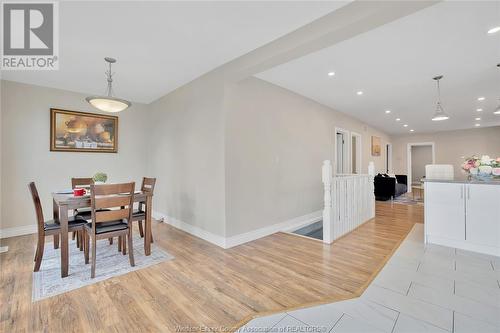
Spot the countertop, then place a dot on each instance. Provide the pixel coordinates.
(464, 181)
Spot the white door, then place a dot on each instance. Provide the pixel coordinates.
(445, 210)
(483, 214)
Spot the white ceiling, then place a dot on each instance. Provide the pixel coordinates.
(394, 64)
(161, 45)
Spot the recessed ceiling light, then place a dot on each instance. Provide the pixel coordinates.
(387, 111)
(477, 125)
(479, 110)
(398, 119)
(412, 130)
(481, 98)
(331, 73)
(359, 93)
(493, 30)
(477, 118)
(405, 125)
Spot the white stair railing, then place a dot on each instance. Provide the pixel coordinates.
(349, 201)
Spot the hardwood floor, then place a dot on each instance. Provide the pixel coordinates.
(205, 285)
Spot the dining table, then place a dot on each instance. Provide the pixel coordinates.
(64, 202)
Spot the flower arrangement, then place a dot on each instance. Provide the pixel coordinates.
(100, 177)
(484, 167)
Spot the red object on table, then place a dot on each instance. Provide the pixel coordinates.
(78, 192)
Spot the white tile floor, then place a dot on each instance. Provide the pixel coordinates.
(421, 289)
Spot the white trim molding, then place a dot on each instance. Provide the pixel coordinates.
(228, 242)
(289, 225)
(191, 229)
(18, 231)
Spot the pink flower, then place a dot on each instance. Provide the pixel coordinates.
(477, 164)
(498, 159)
(467, 166)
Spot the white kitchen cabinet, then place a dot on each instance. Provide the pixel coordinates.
(483, 214)
(444, 210)
(463, 215)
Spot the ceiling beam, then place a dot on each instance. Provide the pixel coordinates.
(344, 23)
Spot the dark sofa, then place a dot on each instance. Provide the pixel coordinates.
(387, 187)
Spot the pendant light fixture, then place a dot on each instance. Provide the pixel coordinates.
(108, 103)
(440, 114)
(497, 110)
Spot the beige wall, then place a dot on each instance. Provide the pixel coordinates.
(25, 126)
(276, 142)
(450, 146)
(186, 154)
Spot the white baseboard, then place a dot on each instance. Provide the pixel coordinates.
(228, 242)
(191, 229)
(288, 225)
(18, 231)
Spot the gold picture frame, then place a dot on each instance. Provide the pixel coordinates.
(73, 131)
(376, 146)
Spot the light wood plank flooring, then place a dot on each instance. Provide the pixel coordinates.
(206, 285)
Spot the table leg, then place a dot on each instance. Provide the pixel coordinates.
(63, 220)
(147, 236)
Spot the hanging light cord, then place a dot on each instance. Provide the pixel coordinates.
(109, 78)
(439, 92)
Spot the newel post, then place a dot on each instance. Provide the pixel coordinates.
(326, 173)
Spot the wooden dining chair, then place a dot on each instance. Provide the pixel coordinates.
(148, 185)
(51, 227)
(114, 222)
(84, 183)
(81, 212)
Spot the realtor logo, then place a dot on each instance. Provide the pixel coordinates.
(29, 36)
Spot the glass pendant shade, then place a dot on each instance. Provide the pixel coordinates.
(439, 114)
(497, 110)
(108, 103)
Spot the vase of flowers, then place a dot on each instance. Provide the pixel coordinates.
(100, 178)
(482, 168)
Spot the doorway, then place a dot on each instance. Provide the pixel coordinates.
(342, 162)
(419, 155)
(356, 145)
(388, 158)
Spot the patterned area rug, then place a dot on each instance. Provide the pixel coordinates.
(408, 200)
(48, 282)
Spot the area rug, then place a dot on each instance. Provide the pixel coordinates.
(110, 263)
(407, 200)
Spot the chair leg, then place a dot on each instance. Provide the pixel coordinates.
(124, 245)
(82, 235)
(77, 238)
(141, 230)
(130, 249)
(56, 241)
(120, 243)
(86, 246)
(39, 253)
(92, 270)
(73, 235)
(110, 240)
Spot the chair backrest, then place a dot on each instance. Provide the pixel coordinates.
(439, 171)
(118, 198)
(38, 207)
(148, 184)
(81, 182)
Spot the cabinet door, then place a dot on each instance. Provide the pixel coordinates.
(483, 214)
(445, 210)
